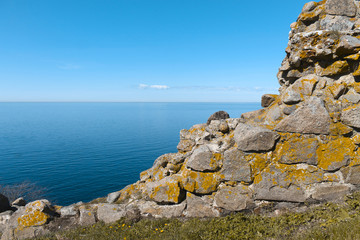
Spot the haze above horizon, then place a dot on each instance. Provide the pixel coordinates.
(142, 51)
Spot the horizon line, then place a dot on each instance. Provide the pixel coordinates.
(124, 102)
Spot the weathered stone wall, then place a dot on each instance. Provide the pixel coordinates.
(302, 147)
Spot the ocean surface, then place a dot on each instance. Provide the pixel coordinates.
(82, 151)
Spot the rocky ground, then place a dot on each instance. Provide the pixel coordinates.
(301, 148)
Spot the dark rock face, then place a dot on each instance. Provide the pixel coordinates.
(4, 203)
(218, 116)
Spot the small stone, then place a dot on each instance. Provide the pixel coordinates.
(340, 7)
(268, 99)
(291, 97)
(351, 116)
(152, 209)
(4, 219)
(347, 45)
(166, 190)
(308, 7)
(299, 150)
(330, 192)
(289, 110)
(87, 217)
(200, 206)
(113, 197)
(336, 23)
(337, 89)
(19, 202)
(335, 154)
(69, 211)
(277, 193)
(199, 182)
(185, 145)
(218, 116)
(354, 176)
(202, 160)
(224, 127)
(110, 212)
(234, 198)
(352, 96)
(37, 213)
(249, 138)
(235, 167)
(338, 67)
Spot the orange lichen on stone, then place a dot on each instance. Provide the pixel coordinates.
(356, 73)
(199, 182)
(295, 175)
(356, 139)
(167, 190)
(258, 163)
(335, 154)
(339, 129)
(296, 149)
(356, 86)
(128, 191)
(338, 67)
(35, 218)
(331, 177)
(353, 57)
(34, 214)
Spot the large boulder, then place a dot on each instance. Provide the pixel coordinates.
(312, 118)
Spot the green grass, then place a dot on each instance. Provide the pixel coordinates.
(327, 221)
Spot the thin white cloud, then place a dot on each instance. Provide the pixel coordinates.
(68, 66)
(159, 87)
(229, 88)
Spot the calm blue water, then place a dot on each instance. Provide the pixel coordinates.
(81, 151)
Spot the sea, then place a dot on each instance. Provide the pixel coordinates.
(82, 151)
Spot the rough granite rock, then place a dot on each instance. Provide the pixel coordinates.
(218, 116)
(311, 118)
(235, 166)
(341, 7)
(200, 206)
(249, 138)
(202, 159)
(234, 198)
(268, 99)
(113, 197)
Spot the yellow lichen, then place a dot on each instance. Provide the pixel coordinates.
(332, 154)
(199, 182)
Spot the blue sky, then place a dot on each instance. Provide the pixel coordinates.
(142, 50)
